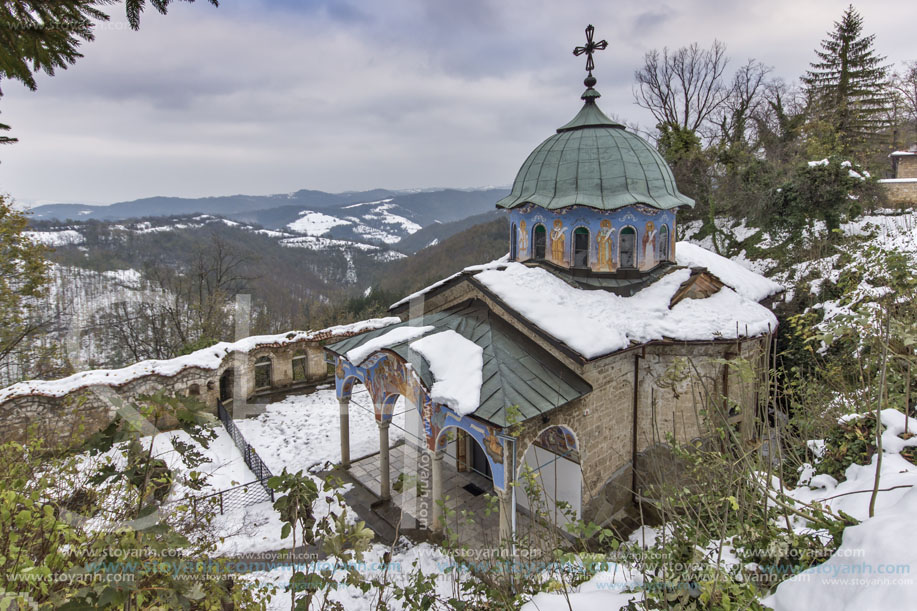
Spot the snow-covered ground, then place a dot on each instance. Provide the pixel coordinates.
(304, 430)
(872, 569)
(295, 434)
(315, 223)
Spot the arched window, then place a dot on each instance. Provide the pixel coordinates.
(581, 247)
(513, 254)
(299, 366)
(194, 390)
(627, 256)
(539, 241)
(263, 373)
(662, 244)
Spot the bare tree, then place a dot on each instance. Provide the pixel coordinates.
(905, 86)
(683, 88)
(190, 305)
(735, 117)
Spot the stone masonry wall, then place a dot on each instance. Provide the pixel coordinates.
(674, 382)
(78, 414)
(907, 166)
(901, 194)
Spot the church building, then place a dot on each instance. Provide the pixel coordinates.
(579, 355)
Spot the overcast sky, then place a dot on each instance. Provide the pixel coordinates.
(273, 96)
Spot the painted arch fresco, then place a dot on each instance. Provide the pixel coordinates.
(386, 377)
(604, 241)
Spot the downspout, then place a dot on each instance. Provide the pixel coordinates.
(633, 441)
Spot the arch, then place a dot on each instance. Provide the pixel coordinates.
(194, 390)
(344, 386)
(580, 247)
(553, 458)
(481, 455)
(299, 364)
(627, 247)
(662, 244)
(227, 383)
(513, 252)
(387, 409)
(264, 372)
(539, 241)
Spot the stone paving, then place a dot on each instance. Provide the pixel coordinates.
(416, 510)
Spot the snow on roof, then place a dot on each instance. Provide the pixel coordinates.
(595, 323)
(495, 264)
(457, 366)
(743, 281)
(883, 180)
(206, 358)
(903, 153)
(395, 336)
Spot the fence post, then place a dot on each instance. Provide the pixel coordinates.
(221, 502)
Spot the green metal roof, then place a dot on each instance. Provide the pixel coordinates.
(517, 372)
(593, 161)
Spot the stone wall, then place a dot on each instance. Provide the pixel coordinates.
(85, 410)
(901, 194)
(676, 382)
(907, 166)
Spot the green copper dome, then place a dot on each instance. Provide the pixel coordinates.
(593, 161)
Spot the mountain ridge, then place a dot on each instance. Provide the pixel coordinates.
(278, 210)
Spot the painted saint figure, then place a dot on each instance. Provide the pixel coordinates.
(605, 250)
(523, 238)
(557, 242)
(649, 245)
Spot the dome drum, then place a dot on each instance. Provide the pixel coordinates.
(581, 237)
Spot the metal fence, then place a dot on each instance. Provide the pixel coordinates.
(249, 454)
(231, 499)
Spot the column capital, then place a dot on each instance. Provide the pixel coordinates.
(383, 424)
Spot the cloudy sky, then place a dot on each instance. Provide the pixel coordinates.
(271, 96)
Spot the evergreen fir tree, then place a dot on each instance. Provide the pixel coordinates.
(847, 86)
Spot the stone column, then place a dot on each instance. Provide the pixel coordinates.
(505, 500)
(345, 432)
(436, 491)
(385, 487)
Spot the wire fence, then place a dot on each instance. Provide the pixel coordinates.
(232, 499)
(243, 495)
(252, 460)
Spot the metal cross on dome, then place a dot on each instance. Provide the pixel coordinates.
(590, 48)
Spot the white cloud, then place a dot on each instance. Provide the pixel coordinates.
(264, 98)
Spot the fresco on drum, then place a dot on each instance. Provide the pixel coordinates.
(595, 235)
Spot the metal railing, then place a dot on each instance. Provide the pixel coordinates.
(252, 460)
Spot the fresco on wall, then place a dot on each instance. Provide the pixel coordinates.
(559, 440)
(604, 229)
(649, 244)
(605, 247)
(385, 375)
(558, 240)
(385, 378)
(484, 435)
